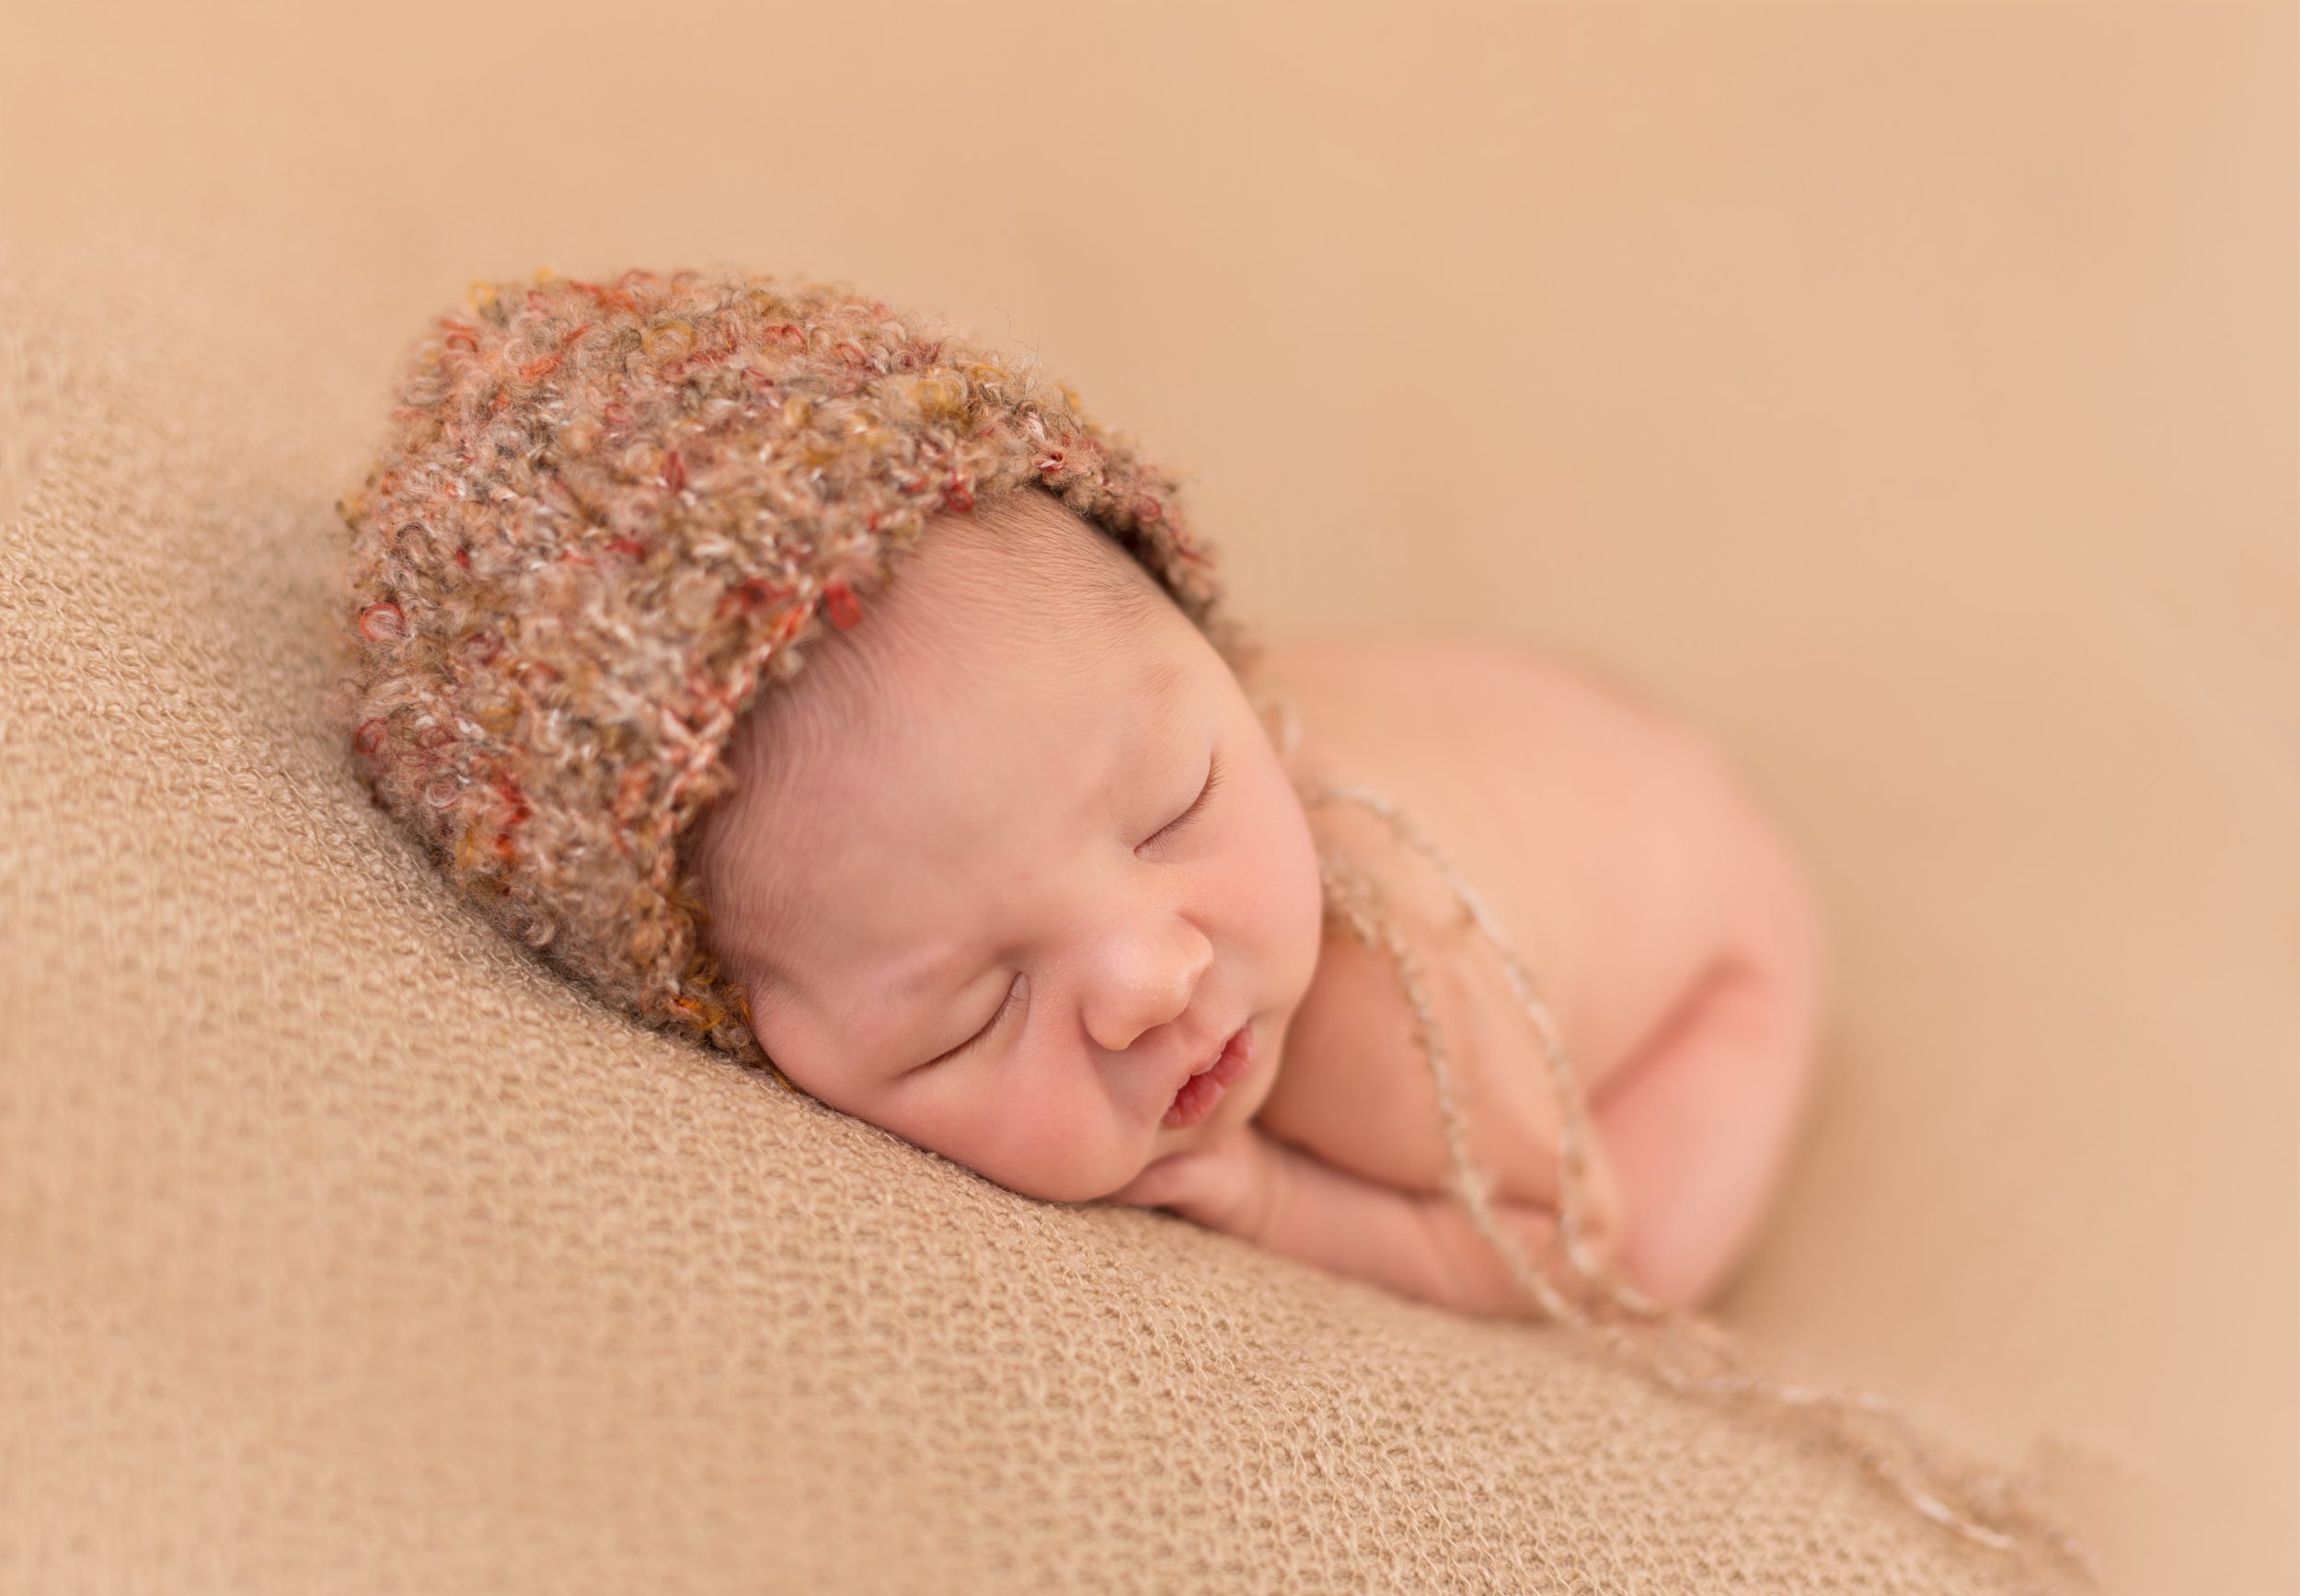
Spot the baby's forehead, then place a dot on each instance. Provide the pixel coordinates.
(970, 735)
(910, 681)
(985, 617)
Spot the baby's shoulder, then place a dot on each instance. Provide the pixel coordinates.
(1495, 755)
(1606, 838)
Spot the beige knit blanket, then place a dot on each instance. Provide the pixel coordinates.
(342, 1248)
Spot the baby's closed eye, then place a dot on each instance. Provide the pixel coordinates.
(1198, 805)
(1013, 987)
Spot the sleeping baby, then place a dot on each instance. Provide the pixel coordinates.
(1040, 862)
(801, 676)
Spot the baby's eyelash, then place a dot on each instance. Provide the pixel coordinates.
(1214, 780)
(988, 1026)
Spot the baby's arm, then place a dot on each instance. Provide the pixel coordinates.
(1697, 1116)
(1280, 1197)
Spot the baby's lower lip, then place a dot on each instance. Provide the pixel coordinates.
(1202, 1092)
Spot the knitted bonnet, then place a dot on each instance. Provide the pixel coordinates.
(609, 515)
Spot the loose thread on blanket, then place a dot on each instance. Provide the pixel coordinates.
(1685, 1352)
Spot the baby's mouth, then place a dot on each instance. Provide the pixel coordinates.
(1198, 1095)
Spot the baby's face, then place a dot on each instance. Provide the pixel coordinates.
(1015, 866)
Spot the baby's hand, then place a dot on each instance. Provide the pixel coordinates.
(1230, 1185)
(1254, 1185)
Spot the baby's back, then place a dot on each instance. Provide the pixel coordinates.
(1626, 867)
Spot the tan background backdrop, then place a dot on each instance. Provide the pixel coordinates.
(1906, 393)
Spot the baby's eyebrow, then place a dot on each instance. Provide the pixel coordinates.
(1166, 702)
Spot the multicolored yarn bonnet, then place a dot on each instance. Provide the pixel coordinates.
(610, 515)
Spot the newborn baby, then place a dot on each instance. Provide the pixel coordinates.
(1016, 871)
(801, 676)
(1023, 866)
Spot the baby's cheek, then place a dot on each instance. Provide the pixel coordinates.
(1295, 906)
(1048, 1143)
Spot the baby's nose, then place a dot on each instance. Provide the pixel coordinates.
(1144, 979)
